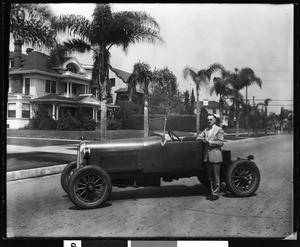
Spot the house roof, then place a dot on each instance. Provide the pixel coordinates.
(123, 75)
(52, 97)
(87, 99)
(12, 54)
(37, 61)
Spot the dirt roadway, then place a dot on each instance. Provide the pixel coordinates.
(39, 207)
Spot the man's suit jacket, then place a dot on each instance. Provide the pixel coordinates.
(212, 150)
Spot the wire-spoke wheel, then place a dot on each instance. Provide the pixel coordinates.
(66, 175)
(242, 178)
(89, 187)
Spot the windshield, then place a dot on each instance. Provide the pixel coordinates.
(157, 125)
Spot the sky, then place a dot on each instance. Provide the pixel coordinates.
(259, 36)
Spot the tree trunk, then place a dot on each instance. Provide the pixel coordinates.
(198, 115)
(103, 97)
(266, 120)
(103, 121)
(221, 113)
(237, 124)
(146, 120)
(247, 118)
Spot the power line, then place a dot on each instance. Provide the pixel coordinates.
(275, 99)
(280, 105)
(276, 80)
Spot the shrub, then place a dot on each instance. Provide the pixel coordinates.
(41, 121)
(66, 122)
(88, 123)
(113, 124)
(47, 124)
(124, 114)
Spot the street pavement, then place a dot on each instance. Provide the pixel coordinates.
(67, 147)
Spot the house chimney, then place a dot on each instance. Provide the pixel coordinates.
(18, 54)
(28, 50)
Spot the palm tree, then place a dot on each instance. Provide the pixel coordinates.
(31, 24)
(142, 73)
(223, 88)
(236, 97)
(247, 77)
(239, 106)
(266, 103)
(200, 77)
(105, 30)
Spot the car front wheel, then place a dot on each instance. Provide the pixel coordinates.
(66, 174)
(242, 178)
(89, 187)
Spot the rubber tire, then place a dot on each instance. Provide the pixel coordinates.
(230, 173)
(84, 171)
(203, 178)
(65, 175)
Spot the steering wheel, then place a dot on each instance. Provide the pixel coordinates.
(173, 136)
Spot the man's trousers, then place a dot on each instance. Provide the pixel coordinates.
(213, 170)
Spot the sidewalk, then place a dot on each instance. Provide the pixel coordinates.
(66, 153)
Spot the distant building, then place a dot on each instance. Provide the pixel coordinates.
(34, 85)
(212, 107)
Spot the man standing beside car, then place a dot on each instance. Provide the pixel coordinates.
(213, 139)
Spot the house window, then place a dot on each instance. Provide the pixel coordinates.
(12, 63)
(93, 91)
(25, 110)
(27, 86)
(47, 88)
(74, 89)
(11, 110)
(214, 110)
(53, 87)
(50, 86)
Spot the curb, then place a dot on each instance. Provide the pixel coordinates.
(50, 170)
(249, 139)
(36, 172)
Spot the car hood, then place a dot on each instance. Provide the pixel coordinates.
(131, 144)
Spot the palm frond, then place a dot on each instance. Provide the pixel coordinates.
(73, 24)
(267, 101)
(77, 45)
(31, 24)
(57, 55)
(129, 27)
(214, 68)
(247, 77)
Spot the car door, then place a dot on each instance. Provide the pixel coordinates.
(172, 156)
(183, 156)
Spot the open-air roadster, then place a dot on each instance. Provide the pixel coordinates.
(145, 162)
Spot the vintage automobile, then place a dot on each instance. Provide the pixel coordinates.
(162, 156)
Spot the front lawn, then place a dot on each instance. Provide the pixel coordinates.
(76, 135)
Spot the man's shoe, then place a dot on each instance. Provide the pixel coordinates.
(213, 198)
(209, 197)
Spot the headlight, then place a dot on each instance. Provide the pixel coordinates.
(83, 154)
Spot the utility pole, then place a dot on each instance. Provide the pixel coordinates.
(254, 116)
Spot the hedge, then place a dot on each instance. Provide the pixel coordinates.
(174, 122)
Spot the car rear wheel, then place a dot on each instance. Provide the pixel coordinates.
(242, 178)
(89, 187)
(66, 174)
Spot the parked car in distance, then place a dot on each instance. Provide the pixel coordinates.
(146, 161)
